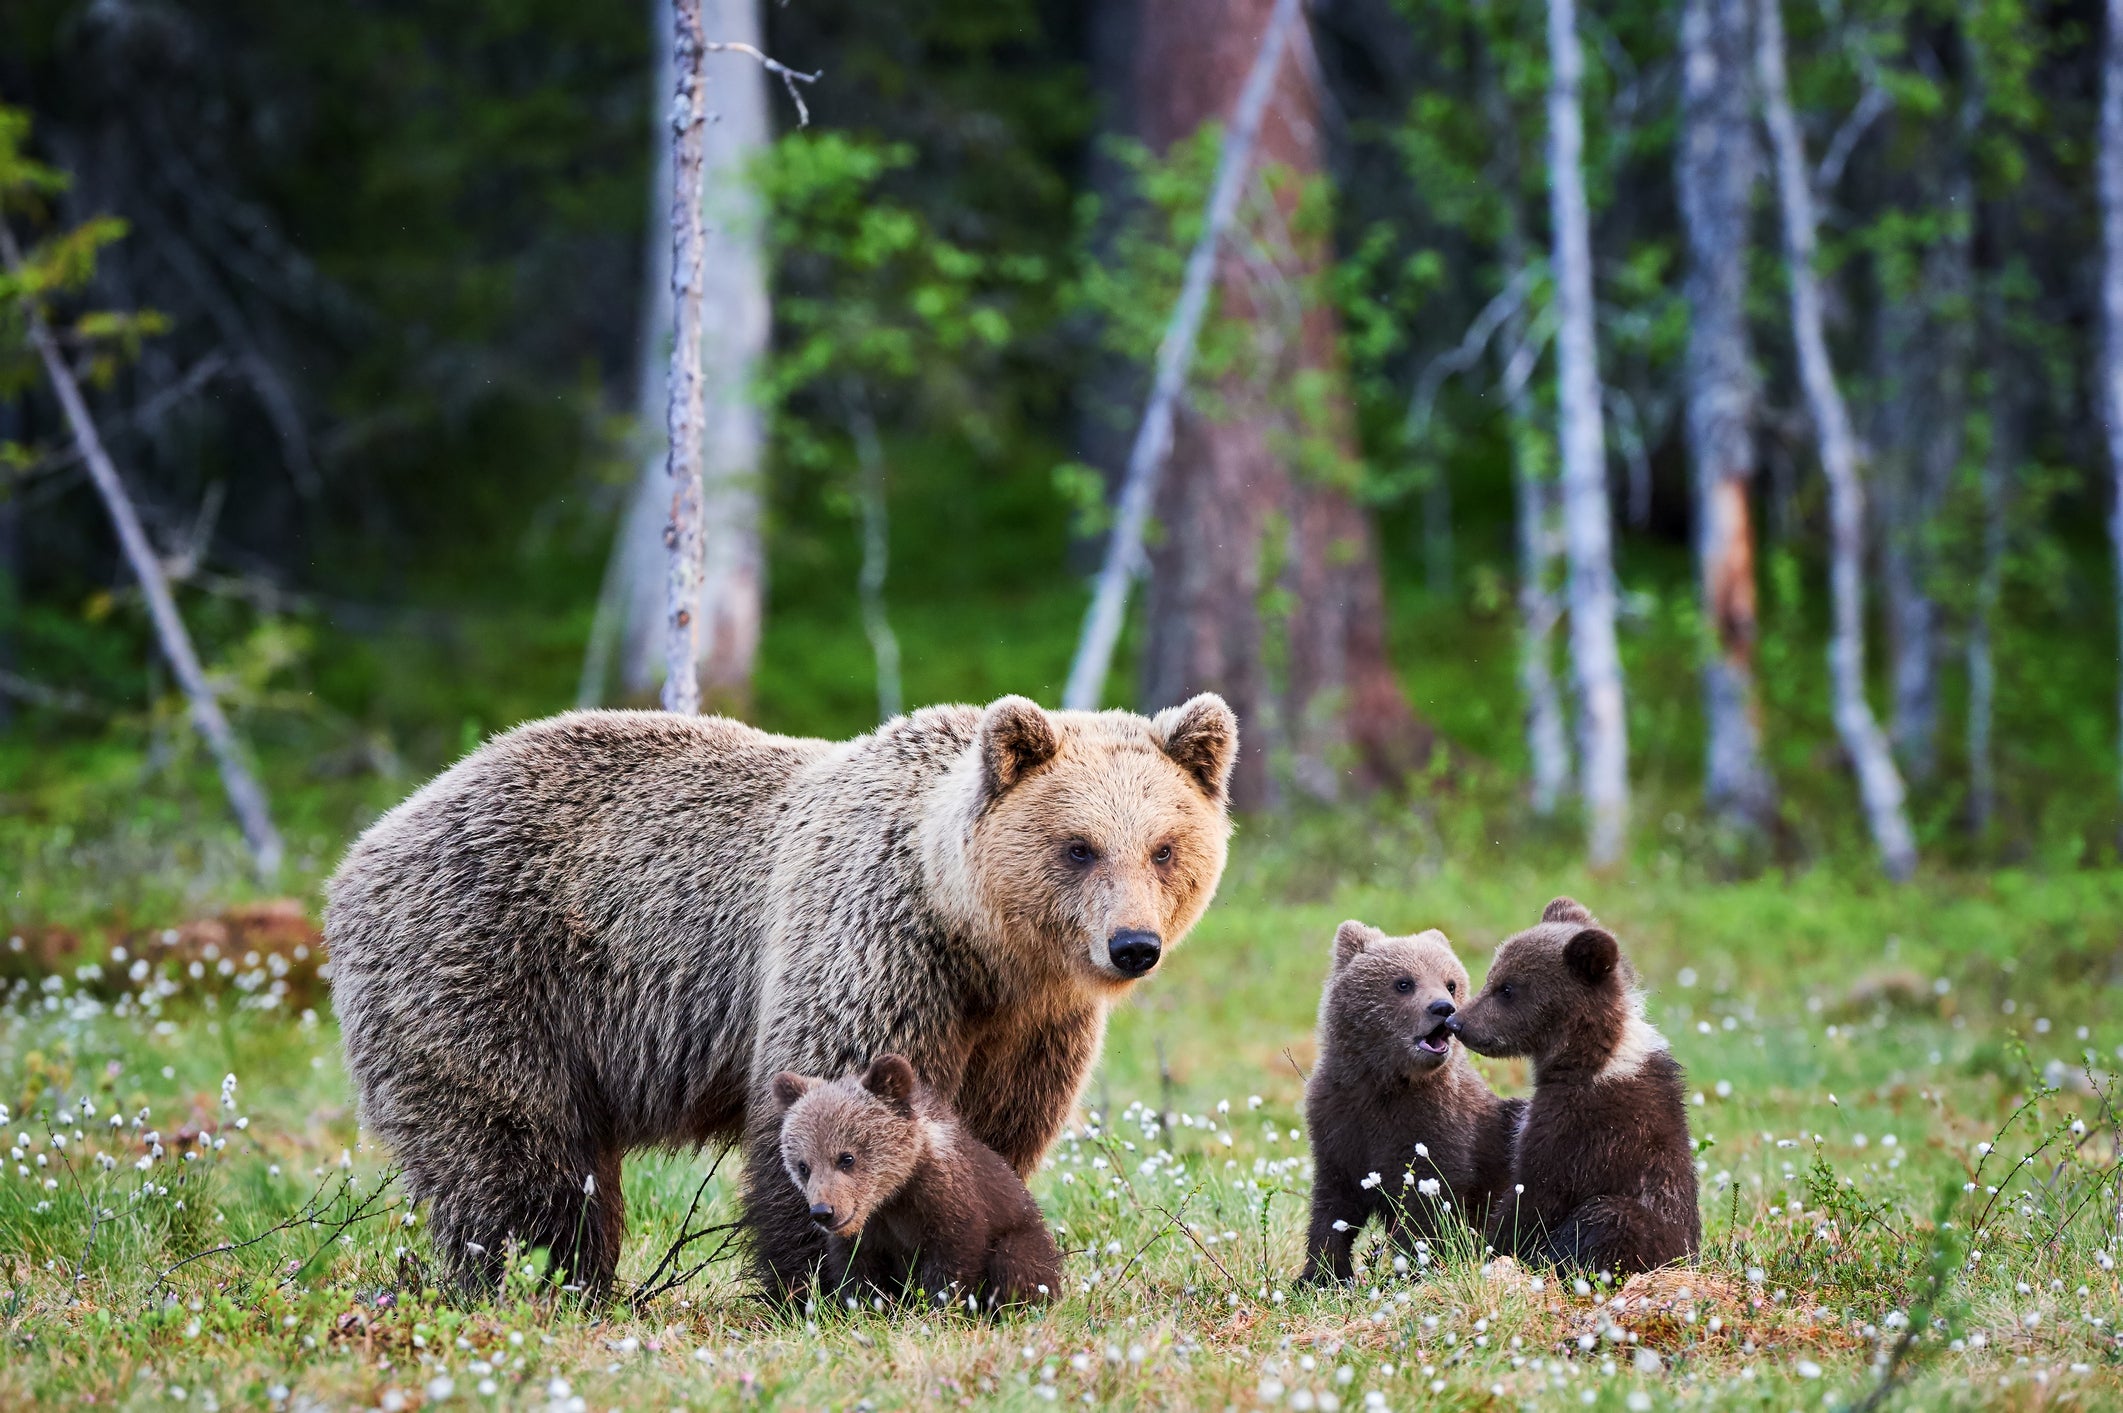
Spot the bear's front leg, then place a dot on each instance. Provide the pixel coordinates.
(1338, 1213)
(786, 1244)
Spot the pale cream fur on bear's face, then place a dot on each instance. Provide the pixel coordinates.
(1121, 830)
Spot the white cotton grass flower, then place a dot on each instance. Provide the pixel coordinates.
(589, 1184)
(1428, 1187)
(1422, 1150)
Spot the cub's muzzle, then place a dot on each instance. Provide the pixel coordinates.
(1134, 952)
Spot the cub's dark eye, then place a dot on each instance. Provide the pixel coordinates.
(1081, 853)
(1404, 986)
(1453, 987)
(1163, 855)
(803, 1170)
(1504, 991)
(847, 1162)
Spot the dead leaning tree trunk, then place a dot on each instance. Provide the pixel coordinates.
(1124, 559)
(1879, 782)
(245, 795)
(1715, 175)
(2111, 163)
(1587, 521)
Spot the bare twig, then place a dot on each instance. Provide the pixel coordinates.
(245, 797)
(650, 1288)
(359, 1214)
(1175, 357)
(789, 77)
(307, 1212)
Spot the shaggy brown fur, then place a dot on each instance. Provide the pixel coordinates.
(908, 1200)
(1603, 1158)
(1390, 1077)
(610, 929)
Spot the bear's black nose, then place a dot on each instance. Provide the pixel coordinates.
(1441, 1008)
(822, 1213)
(1134, 952)
(1453, 1025)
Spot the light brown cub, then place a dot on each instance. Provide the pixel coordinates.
(905, 1197)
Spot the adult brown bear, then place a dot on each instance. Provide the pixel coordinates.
(610, 930)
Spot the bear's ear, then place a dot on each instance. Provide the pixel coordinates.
(1591, 955)
(1566, 910)
(891, 1079)
(1201, 737)
(1016, 738)
(1349, 939)
(790, 1087)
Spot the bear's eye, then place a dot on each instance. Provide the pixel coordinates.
(803, 1171)
(1404, 986)
(1163, 855)
(1081, 853)
(847, 1162)
(1504, 991)
(1453, 987)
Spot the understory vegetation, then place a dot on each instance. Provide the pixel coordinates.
(1901, 1101)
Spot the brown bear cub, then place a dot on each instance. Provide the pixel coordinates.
(1402, 1127)
(1603, 1167)
(905, 1197)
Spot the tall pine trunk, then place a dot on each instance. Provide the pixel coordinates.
(1265, 586)
(1587, 520)
(2111, 164)
(1879, 782)
(1715, 174)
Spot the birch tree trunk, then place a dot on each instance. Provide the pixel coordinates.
(1879, 782)
(1995, 480)
(736, 313)
(1715, 174)
(1587, 519)
(2111, 181)
(246, 798)
(1266, 585)
(1538, 543)
(688, 393)
(876, 550)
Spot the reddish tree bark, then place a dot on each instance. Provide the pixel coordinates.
(1265, 585)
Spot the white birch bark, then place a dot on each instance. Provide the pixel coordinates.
(876, 552)
(736, 316)
(1124, 558)
(1587, 520)
(246, 797)
(688, 392)
(1879, 782)
(2111, 182)
(1539, 537)
(1715, 175)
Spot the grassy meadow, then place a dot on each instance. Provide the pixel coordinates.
(189, 1216)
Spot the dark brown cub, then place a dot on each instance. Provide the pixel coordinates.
(1402, 1127)
(907, 1200)
(1603, 1164)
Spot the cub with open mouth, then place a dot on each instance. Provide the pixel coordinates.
(907, 1199)
(1402, 1127)
(1603, 1167)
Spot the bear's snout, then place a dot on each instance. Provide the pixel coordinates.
(822, 1213)
(1442, 1008)
(1134, 952)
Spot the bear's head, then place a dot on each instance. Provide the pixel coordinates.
(1389, 1000)
(851, 1144)
(1561, 986)
(1087, 844)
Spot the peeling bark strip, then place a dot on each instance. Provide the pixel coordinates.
(688, 404)
(1175, 356)
(1879, 782)
(1587, 528)
(2111, 162)
(1715, 174)
(246, 798)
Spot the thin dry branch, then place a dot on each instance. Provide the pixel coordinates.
(789, 77)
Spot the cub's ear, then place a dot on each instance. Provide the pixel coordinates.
(1349, 939)
(1016, 738)
(790, 1087)
(1591, 955)
(891, 1079)
(1201, 737)
(1566, 910)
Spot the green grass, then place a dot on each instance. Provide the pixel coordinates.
(1816, 1013)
